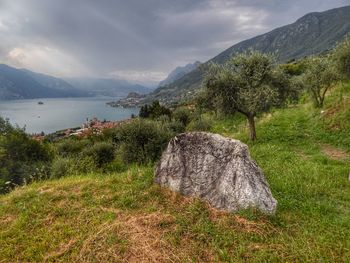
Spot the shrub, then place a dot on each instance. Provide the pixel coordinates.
(117, 165)
(72, 166)
(22, 159)
(38, 171)
(17, 146)
(101, 153)
(286, 87)
(5, 126)
(182, 115)
(142, 141)
(107, 134)
(71, 147)
(83, 164)
(200, 124)
(176, 127)
(163, 119)
(154, 111)
(294, 68)
(61, 167)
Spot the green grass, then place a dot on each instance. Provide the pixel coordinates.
(125, 217)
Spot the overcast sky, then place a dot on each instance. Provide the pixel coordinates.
(138, 40)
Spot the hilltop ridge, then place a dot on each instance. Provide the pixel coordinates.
(311, 34)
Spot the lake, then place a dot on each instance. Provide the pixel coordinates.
(62, 113)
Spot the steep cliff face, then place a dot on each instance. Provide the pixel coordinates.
(314, 33)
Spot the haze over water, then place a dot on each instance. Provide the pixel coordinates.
(61, 113)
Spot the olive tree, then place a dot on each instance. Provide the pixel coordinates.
(320, 75)
(248, 83)
(341, 56)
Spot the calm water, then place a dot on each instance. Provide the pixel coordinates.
(58, 114)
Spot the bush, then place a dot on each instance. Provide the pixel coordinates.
(71, 147)
(107, 135)
(286, 86)
(200, 124)
(72, 166)
(154, 111)
(101, 152)
(294, 68)
(117, 165)
(163, 119)
(22, 159)
(5, 126)
(61, 167)
(176, 127)
(142, 141)
(182, 115)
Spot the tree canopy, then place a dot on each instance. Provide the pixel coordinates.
(341, 56)
(319, 76)
(249, 83)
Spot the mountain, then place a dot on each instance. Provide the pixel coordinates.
(314, 33)
(179, 72)
(107, 87)
(25, 84)
(55, 83)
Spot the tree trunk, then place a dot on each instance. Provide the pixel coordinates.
(252, 130)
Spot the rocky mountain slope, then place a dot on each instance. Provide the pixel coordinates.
(178, 73)
(312, 34)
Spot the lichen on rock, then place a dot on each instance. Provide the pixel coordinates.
(216, 169)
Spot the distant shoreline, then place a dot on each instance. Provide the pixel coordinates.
(59, 114)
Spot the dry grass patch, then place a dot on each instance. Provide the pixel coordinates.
(334, 153)
(133, 238)
(7, 220)
(62, 249)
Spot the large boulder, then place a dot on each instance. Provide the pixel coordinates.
(216, 169)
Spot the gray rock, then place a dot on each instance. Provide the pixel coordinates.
(216, 169)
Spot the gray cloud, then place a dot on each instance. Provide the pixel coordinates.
(139, 40)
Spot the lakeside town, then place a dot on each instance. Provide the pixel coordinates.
(132, 100)
(92, 126)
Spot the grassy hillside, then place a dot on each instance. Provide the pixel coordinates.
(124, 217)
